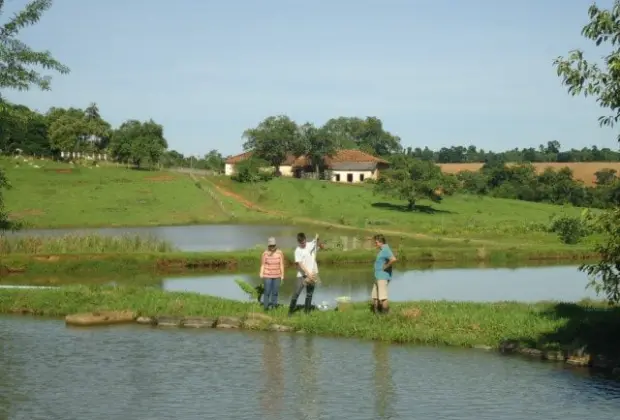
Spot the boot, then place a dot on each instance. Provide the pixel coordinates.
(292, 307)
(308, 304)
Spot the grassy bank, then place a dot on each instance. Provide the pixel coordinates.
(545, 325)
(459, 216)
(46, 194)
(98, 263)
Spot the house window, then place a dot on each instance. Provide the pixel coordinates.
(361, 177)
(337, 178)
(349, 177)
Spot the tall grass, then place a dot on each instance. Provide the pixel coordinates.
(71, 244)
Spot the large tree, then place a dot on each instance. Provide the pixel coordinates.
(602, 81)
(365, 134)
(411, 180)
(78, 130)
(272, 140)
(139, 143)
(316, 144)
(16, 65)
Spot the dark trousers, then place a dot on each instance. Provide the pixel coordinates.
(301, 284)
(270, 296)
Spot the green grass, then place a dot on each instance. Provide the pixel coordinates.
(459, 216)
(545, 325)
(72, 244)
(58, 195)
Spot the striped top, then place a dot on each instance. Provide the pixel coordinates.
(272, 264)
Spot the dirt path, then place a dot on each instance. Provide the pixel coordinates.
(304, 220)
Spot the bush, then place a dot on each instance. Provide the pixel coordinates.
(252, 170)
(570, 229)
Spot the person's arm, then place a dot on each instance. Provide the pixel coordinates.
(281, 265)
(262, 266)
(391, 259)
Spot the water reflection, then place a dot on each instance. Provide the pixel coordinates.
(272, 393)
(189, 238)
(493, 284)
(306, 364)
(52, 372)
(384, 385)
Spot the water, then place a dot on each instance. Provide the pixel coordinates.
(565, 283)
(49, 371)
(191, 238)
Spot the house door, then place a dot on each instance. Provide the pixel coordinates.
(337, 178)
(349, 177)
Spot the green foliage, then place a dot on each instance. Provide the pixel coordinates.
(589, 79)
(252, 170)
(411, 180)
(605, 274)
(17, 58)
(272, 140)
(77, 130)
(570, 229)
(364, 134)
(316, 144)
(139, 143)
(606, 176)
(4, 217)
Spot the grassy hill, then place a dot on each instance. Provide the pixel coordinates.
(49, 194)
(462, 216)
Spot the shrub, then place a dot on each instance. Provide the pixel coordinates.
(252, 170)
(570, 229)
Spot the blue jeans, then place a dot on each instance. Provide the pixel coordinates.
(270, 297)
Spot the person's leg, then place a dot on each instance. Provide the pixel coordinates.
(374, 296)
(267, 293)
(382, 294)
(275, 290)
(309, 293)
(296, 293)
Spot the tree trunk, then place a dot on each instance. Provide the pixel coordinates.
(316, 170)
(411, 205)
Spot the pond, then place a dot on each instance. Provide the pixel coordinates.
(565, 283)
(190, 238)
(49, 371)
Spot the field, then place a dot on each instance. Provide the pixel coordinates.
(582, 171)
(51, 195)
(458, 217)
(545, 326)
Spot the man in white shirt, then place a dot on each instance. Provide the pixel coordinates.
(307, 270)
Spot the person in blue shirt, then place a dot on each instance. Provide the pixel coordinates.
(383, 275)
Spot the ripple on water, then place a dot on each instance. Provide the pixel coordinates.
(48, 371)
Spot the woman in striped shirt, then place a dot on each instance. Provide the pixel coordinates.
(272, 273)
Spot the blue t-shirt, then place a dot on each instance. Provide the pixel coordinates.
(383, 256)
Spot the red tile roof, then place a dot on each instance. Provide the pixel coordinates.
(341, 156)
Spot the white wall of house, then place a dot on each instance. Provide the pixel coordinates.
(285, 170)
(348, 177)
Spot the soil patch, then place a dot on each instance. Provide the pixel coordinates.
(161, 178)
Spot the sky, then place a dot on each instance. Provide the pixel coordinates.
(436, 72)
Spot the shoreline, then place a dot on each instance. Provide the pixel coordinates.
(578, 334)
(179, 262)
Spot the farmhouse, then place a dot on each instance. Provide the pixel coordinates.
(347, 165)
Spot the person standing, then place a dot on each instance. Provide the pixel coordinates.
(272, 273)
(383, 275)
(307, 271)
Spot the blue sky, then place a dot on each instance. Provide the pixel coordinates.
(437, 72)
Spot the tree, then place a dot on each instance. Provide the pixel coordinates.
(77, 130)
(272, 140)
(139, 143)
(367, 135)
(411, 179)
(214, 161)
(316, 144)
(589, 79)
(16, 62)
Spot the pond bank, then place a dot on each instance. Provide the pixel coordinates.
(188, 261)
(585, 333)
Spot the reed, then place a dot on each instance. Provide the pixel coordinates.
(75, 244)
